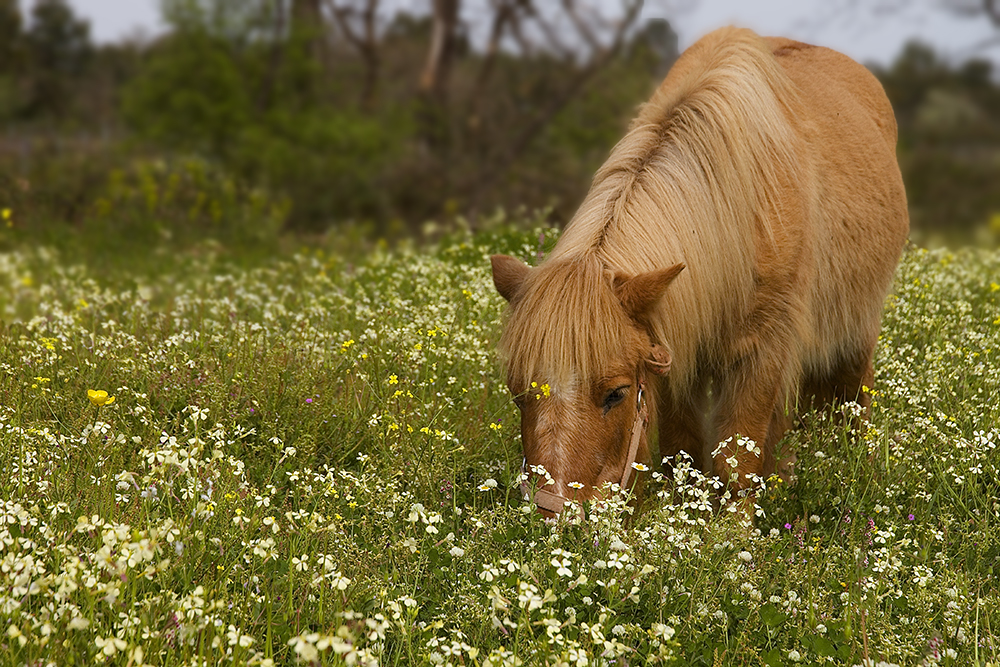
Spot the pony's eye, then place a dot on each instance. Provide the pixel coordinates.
(614, 397)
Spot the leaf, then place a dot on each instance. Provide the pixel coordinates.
(773, 658)
(772, 616)
(820, 645)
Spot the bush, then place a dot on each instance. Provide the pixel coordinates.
(185, 200)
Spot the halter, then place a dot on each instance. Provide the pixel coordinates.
(553, 502)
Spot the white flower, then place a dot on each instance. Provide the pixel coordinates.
(664, 632)
(111, 645)
(457, 552)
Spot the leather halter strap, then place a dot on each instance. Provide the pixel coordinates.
(554, 502)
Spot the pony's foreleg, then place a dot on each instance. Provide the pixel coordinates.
(844, 382)
(682, 427)
(751, 406)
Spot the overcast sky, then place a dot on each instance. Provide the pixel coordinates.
(866, 34)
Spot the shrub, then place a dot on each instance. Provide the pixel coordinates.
(185, 200)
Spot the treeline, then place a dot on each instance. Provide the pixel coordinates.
(326, 111)
(949, 141)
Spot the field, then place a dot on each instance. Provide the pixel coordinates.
(314, 459)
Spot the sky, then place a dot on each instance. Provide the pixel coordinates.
(867, 30)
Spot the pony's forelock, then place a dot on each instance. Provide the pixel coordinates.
(566, 327)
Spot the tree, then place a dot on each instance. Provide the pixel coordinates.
(988, 8)
(270, 87)
(191, 95)
(11, 36)
(358, 26)
(58, 50)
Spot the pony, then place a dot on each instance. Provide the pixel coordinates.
(728, 265)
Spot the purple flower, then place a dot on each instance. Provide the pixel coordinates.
(309, 400)
(911, 517)
(788, 526)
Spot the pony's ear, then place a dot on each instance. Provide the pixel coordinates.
(508, 275)
(640, 293)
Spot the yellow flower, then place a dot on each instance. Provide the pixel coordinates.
(100, 397)
(393, 379)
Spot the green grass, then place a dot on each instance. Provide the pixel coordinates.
(315, 459)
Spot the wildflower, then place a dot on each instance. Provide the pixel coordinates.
(14, 632)
(236, 636)
(661, 631)
(78, 623)
(641, 467)
(393, 379)
(575, 485)
(488, 484)
(110, 646)
(100, 397)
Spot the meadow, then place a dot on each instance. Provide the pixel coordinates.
(313, 459)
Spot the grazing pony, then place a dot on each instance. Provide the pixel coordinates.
(729, 263)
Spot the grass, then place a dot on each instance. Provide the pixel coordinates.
(314, 459)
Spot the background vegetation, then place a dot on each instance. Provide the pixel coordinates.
(336, 112)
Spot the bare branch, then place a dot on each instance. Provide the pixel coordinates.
(365, 41)
(541, 120)
(581, 27)
(547, 30)
(503, 14)
(342, 15)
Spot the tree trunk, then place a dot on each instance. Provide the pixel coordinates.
(307, 25)
(434, 81)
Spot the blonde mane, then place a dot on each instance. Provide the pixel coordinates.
(694, 181)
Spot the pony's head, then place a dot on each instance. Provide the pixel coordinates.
(578, 353)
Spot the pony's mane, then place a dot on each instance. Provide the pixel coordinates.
(693, 180)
